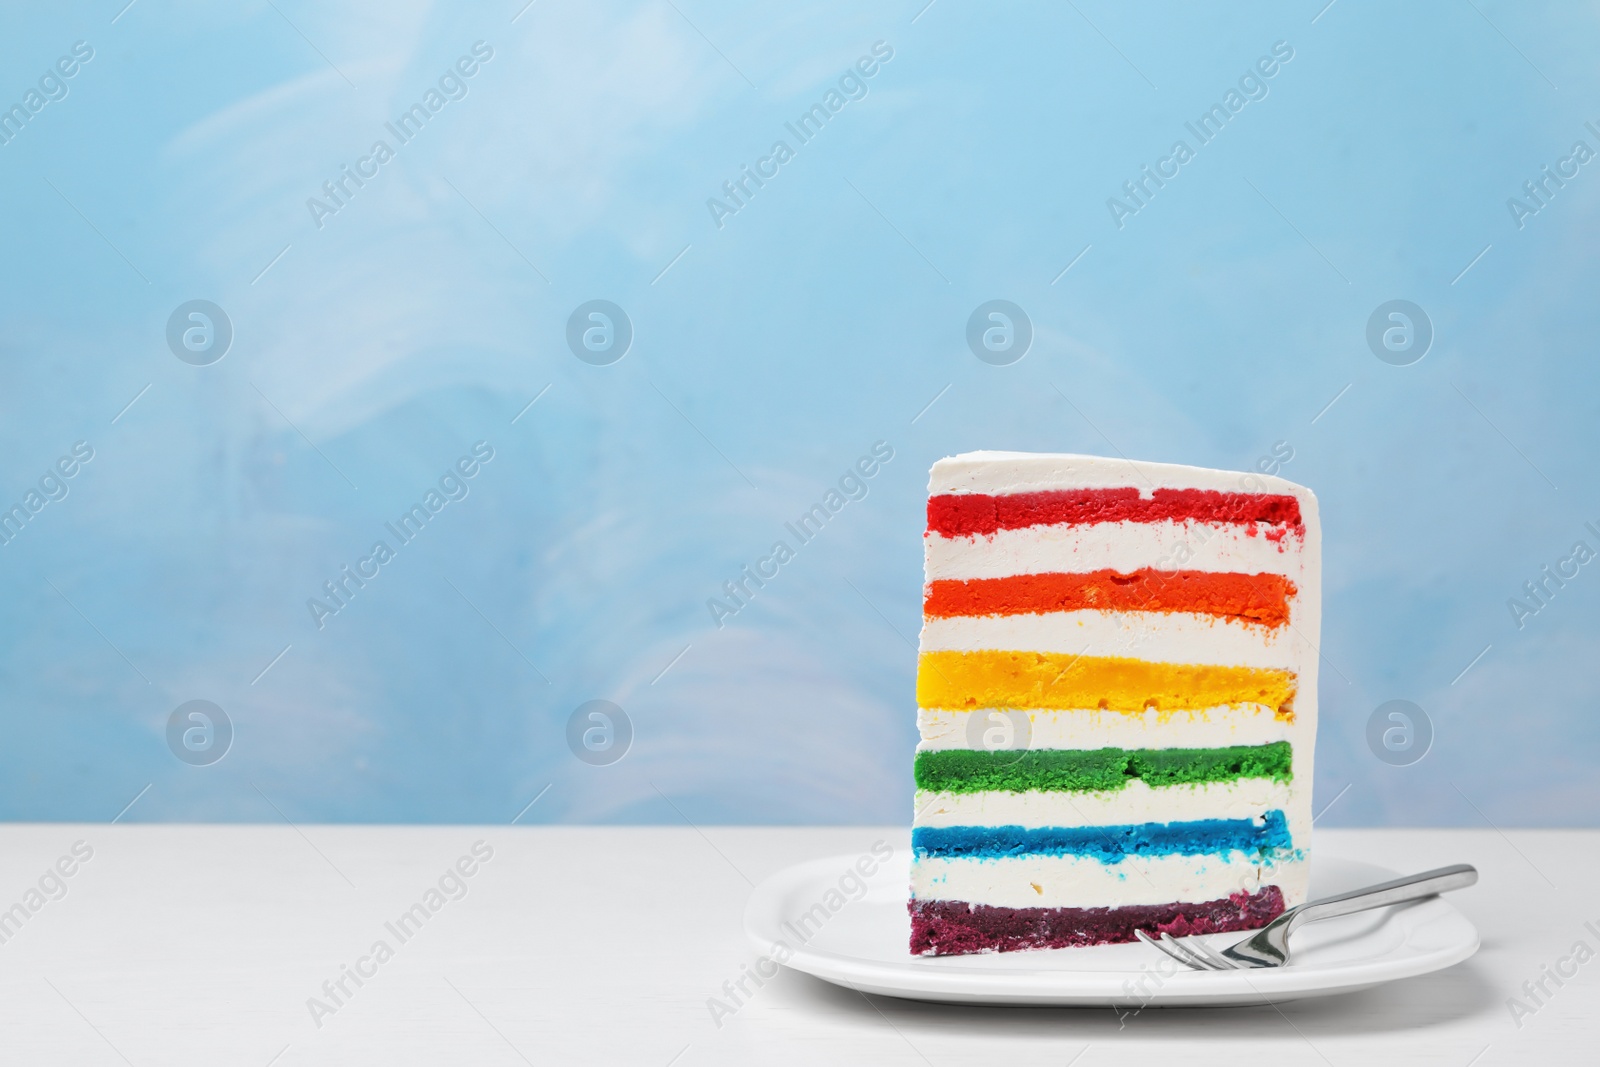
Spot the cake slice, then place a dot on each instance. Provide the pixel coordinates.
(1117, 696)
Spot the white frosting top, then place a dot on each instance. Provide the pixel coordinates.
(1025, 472)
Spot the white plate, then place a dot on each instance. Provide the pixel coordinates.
(864, 945)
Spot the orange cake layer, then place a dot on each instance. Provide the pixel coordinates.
(1255, 598)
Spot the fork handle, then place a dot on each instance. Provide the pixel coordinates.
(1399, 891)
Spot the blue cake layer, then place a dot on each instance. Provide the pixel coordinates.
(1109, 844)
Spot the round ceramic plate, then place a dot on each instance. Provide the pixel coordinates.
(863, 945)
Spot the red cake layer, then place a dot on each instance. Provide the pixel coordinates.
(965, 514)
(953, 927)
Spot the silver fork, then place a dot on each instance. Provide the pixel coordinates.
(1269, 946)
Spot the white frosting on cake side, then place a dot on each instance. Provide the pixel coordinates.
(1090, 728)
(1134, 803)
(1116, 546)
(1086, 882)
(1178, 637)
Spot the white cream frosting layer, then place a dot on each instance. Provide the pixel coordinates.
(1161, 637)
(1030, 472)
(1124, 546)
(1134, 803)
(1086, 882)
(1091, 728)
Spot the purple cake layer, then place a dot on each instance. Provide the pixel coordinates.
(953, 927)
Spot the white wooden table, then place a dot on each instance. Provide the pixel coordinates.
(203, 945)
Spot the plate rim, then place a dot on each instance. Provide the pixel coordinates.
(921, 978)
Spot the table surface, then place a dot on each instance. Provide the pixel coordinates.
(211, 944)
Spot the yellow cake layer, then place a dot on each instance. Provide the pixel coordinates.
(990, 679)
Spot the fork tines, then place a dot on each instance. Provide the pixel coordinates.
(1197, 955)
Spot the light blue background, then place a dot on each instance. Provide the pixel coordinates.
(822, 318)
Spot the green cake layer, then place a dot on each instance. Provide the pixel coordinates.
(1069, 770)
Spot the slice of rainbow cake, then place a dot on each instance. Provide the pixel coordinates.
(1117, 701)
